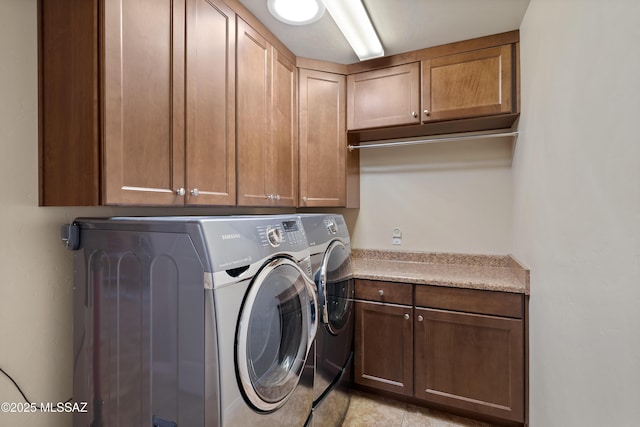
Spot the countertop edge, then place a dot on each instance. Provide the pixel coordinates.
(501, 273)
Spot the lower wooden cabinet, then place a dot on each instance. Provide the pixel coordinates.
(459, 348)
(470, 361)
(384, 343)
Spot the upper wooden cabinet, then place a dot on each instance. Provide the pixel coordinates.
(284, 127)
(267, 122)
(323, 139)
(210, 104)
(187, 103)
(471, 84)
(117, 125)
(386, 97)
(143, 141)
(457, 86)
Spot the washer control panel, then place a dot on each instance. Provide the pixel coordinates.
(288, 232)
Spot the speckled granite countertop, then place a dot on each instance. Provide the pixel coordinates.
(486, 272)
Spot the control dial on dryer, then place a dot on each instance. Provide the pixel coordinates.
(332, 227)
(274, 236)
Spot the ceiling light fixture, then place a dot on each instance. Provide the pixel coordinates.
(353, 20)
(296, 12)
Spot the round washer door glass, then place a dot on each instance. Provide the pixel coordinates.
(275, 333)
(337, 287)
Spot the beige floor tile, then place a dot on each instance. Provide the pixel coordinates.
(368, 410)
(417, 416)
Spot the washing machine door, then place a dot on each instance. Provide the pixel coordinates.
(277, 326)
(336, 287)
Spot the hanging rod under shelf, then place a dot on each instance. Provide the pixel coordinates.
(395, 143)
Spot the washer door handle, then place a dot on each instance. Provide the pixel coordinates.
(324, 278)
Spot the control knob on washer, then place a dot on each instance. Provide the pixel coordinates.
(274, 236)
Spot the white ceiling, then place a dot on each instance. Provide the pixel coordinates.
(402, 25)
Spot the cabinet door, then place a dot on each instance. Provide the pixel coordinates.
(386, 97)
(384, 347)
(283, 147)
(471, 84)
(143, 109)
(210, 103)
(322, 139)
(69, 148)
(253, 119)
(470, 361)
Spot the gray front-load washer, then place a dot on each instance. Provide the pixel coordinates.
(192, 321)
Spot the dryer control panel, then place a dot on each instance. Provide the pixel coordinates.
(332, 226)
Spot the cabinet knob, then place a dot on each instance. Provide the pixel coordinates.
(420, 318)
(414, 114)
(277, 197)
(380, 292)
(426, 112)
(180, 191)
(271, 197)
(195, 192)
(304, 199)
(406, 316)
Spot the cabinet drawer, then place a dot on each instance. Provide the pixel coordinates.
(470, 301)
(391, 292)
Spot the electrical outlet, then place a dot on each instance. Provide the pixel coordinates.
(397, 236)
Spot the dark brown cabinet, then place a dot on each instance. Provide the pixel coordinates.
(383, 356)
(459, 348)
(469, 350)
(122, 120)
(267, 122)
(384, 339)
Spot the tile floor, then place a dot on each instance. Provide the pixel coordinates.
(367, 410)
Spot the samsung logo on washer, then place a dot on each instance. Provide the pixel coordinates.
(230, 236)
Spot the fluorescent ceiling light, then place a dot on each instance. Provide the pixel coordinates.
(296, 12)
(353, 20)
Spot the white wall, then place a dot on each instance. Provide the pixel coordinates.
(577, 209)
(445, 197)
(36, 286)
(35, 290)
